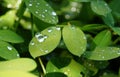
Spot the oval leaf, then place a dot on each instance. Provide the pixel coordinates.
(42, 10)
(7, 51)
(22, 64)
(74, 39)
(44, 42)
(15, 73)
(103, 53)
(10, 36)
(103, 38)
(100, 7)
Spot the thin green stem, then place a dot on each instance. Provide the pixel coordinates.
(42, 65)
(32, 26)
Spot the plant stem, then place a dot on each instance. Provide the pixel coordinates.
(32, 26)
(43, 67)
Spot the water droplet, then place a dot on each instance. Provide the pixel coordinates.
(30, 4)
(49, 30)
(46, 10)
(54, 14)
(45, 36)
(58, 28)
(66, 73)
(119, 52)
(32, 43)
(73, 27)
(47, 5)
(18, 55)
(38, 3)
(37, 35)
(36, 12)
(9, 48)
(103, 57)
(46, 51)
(84, 38)
(43, 16)
(41, 38)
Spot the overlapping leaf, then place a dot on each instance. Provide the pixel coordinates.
(42, 10)
(7, 51)
(21, 64)
(45, 42)
(74, 39)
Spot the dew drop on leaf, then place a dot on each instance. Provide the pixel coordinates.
(32, 43)
(30, 4)
(53, 13)
(9, 48)
(41, 38)
(49, 30)
(58, 28)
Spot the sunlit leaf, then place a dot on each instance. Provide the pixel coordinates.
(103, 38)
(45, 42)
(15, 73)
(100, 7)
(73, 69)
(42, 10)
(103, 53)
(7, 51)
(7, 20)
(74, 39)
(108, 19)
(22, 64)
(10, 36)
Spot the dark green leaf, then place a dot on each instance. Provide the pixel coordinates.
(74, 39)
(100, 7)
(7, 51)
(103, 53)
(108, 19)
(21, 64)
(10, 36)
(45, 42)
(55, 74)
(81, 0)
(15, 73)
(42, 10)
(103, 38)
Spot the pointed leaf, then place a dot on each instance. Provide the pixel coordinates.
(42, 10)
(74, 39)
(15, 73)
(7, 51)
(45, 42)
(22, 64)
(103, 53)
(103, 38)
(100, 7)
(10, 36)
(116, 30)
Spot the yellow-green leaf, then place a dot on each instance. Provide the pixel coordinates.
(15, 73)
(22, 64)
(74, 39)
(45, 42)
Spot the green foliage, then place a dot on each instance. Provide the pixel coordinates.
(59, 38)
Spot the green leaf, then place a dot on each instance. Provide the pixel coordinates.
(114, 5)
(116, 30)
(73, 69)
(81, 0)
(103, 38)
(21, 64)
(10, 36)
(103, 53)
(7, 20)
(100, 7)
(74, 39)
(42, 10)
(7, 51)
(55, 74)
(108, 19)
(45, 42)
(15, 73)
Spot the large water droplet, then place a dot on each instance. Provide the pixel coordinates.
(9, 48)
(45, 36)
(38, 34)
(54, 14)
(41, 38)
(30, 4)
